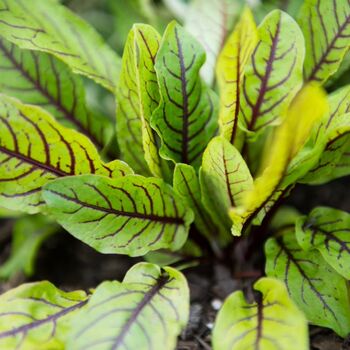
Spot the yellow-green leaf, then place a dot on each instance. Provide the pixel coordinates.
(271, 322)
(35, 149)
(230, 71)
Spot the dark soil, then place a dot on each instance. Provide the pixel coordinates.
(70, 265)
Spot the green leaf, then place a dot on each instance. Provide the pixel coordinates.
(307, 278)
(35, 149)
(146, 311)
(274, 73)
(50, 27)
(28, 235)
(225, 180)
(186, 117)
(130, 215)
(266, 324)
(186, 184)
(37, 316)
(40, 79)
(230, 72)
(328, 231)
(138, 97)
(333, 134)
(210, 22)
(326, 27)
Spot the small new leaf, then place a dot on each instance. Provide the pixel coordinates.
(327, 230)
(307, 277)
(265, 324)
(37, 316)
(35, 149)
(130, 215)
(146, 311)
(186, 117)
(50, 27)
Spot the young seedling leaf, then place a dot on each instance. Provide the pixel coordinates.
(37, 316)
(272, 322)
(210, 22)
(28, 235)
(326, 27)
(186, 117)
(284, 145)
(225, 179)
(328, 231)
(186, 184)
(130, 215)
(51, 27)
(307, 277)
(137, 97)
(146, 311)
(274, 74)
(230, 71)
(35, 149)
(41, 79)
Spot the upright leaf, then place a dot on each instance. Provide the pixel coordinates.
(283, 146)
(328, 231)
(274, 73)
(146, 311)
(137, 97)
(225, 180)
(130, 215)
(35, 149)
(266, 324)
(186, 117)
(326, 27)
(230, 71)
(186, 184)
(307, 278)
(40, 79)
(50, 27)
(28, 234)
(37, 316)
(210, 22)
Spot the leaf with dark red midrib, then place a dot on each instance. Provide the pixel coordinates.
(145, 212)
(35, 149)
(146, 293)
(40, 79)
(185, 118)
(304, 274)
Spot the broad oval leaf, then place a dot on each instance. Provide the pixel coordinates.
(225, 180)
(326, 27)
(271, 322)
(41, 79)
(186, 184)
(35, 149)
(37, 316)
(146, 311)
(210, 22)
(130, 215)
(50, 27)
(274, 74)
(328, 231)
(186, 117)
(307, 278)
(230, 71)
(138, 97)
